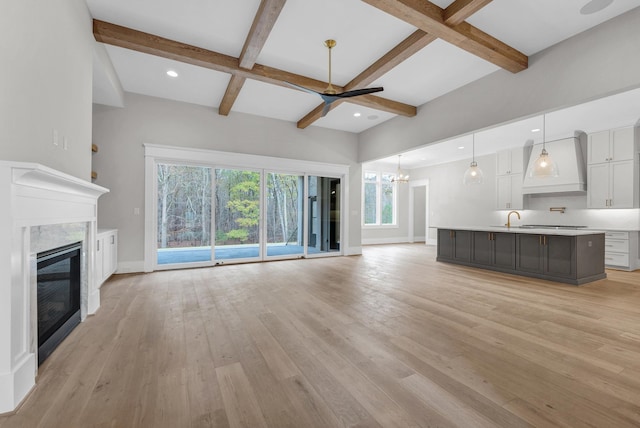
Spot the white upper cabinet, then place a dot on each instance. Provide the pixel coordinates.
(509, 179)
(612, 170)
(509, 161)
(611, 146)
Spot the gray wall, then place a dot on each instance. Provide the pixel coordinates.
(419, 212)
(596, 63)
(45, 83)
(120, 133)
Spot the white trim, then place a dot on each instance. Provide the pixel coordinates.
(353, 251)
(155, 154)
(396, 190)
(418, 183)
(130, 267)
(241, 160)
(392, 240)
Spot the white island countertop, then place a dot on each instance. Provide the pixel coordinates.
(537, 231)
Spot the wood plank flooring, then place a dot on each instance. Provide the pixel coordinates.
(388, 339)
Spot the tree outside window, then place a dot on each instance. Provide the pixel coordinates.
(379, 198)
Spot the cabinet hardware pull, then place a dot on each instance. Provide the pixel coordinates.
(540, 239)
(98, 249)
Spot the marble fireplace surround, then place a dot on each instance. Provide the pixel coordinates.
(40, 209)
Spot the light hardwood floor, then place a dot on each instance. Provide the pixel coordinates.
(388, 339)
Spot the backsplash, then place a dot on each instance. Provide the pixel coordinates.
(576, 214)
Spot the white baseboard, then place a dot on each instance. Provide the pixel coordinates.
(376, 241)
(130, 267)
(419, 238)
(353, 251)
(93, 303)
(16, 385)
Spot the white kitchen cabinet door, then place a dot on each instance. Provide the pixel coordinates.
(517, 201)
(621, 184)
(503, 162)
(598, 185)
(622, 144)
(610, 185)
(598, 147)
(509, 161)
(611, 146)
(509, 192)
(517, 160)
(503, 187)
(106, 254)
(99, 266)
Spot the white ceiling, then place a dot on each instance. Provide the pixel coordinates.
(364, 34)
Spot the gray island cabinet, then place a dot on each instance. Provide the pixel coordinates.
(570, 256)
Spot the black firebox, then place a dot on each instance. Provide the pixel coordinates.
(59, 277)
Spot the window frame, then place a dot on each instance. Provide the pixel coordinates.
(379, 173)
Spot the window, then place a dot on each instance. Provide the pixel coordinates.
(379, 199)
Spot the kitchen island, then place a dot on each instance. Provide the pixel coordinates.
(570, 256)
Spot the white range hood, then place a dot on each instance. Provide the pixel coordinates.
(570, 155)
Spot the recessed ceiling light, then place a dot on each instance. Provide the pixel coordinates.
(172, 73)
(535, 130)
(372, 117)
(460, 147)
(595, 6)
(356, 114)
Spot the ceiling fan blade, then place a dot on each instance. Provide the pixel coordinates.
(302, 88)
(325, 110)
(357, 92)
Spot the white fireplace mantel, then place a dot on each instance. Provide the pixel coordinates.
(32, 195)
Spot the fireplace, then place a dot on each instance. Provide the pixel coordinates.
(58, 296)
(48, 278)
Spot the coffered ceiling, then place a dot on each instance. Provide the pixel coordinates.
(235, 56)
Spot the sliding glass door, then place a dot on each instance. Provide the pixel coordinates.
(184, 214)
(237, 215)
(284, 215)
(208, 215)
(324, 214)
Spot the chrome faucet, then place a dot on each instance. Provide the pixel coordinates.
(509, 217)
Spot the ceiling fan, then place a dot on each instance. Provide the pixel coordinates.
(330, 95)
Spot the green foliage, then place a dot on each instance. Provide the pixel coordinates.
(249, 210)
(241, 234)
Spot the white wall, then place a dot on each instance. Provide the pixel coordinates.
(419, 212)
(45, 83)
(451, 203)
(596, 63)
(120, 133)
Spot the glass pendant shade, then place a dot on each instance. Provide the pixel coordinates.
(473, 174)
(544, 166)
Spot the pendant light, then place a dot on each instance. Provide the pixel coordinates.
(473, 174)
(544, 166)
(400, 177)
